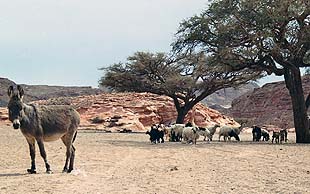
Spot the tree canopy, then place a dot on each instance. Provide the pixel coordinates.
(186, 79)
(268, 35)
(261, 34)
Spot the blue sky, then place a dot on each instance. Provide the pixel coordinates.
(64, 42)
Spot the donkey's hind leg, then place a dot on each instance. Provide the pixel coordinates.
(70, 153)
(71, 159)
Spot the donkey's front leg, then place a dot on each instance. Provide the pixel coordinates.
(43, 154)
(32, 149)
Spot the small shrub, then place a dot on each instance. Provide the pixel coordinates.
(97, 120)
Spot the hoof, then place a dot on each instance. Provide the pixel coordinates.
(31, 171)
(70, 170)
(49, 172)
(65, 170)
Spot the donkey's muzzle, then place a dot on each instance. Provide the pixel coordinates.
(16, 125)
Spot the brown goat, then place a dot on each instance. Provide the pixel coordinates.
(275, 136)
(279, 136)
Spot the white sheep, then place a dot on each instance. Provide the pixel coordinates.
(190, 134)
(176, 131)
(205, 132)
(213, 129)
(208, 132)
(229, 131)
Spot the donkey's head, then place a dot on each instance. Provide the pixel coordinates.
(15, 105)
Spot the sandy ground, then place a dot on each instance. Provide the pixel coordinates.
(128, 163)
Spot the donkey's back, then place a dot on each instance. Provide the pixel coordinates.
(55, 121)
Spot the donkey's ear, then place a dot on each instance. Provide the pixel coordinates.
(10, 91)
(20, 91)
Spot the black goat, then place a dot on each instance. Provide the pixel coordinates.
(156, 135)
(283, 135)
(257, 133)
(232, 133)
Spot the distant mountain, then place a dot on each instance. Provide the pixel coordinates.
(222, 99)
(44, 92)
(269, 105)
(4, 84)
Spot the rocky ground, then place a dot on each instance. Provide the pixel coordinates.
(128, 163)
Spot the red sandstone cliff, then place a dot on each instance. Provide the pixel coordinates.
(134, 111)
(268, 105)
(4, 115)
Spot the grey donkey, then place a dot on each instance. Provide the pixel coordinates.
(42, 124)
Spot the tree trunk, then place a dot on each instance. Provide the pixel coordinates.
(182, 109)
(294, 85)
(182, 112)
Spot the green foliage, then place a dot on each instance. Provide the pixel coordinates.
(189, 78)
(258, 34)
(97, 120)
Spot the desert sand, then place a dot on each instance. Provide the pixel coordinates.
(128, 163)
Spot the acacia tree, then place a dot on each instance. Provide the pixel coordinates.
(273, 36)
(187, 79)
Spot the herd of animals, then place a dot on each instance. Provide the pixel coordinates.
(189, 133)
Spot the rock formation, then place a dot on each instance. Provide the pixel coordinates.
(4, 115)
(268, 105)
(134, 111)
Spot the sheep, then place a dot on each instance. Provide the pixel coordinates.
(257, 133)
(208, 132)
(156, 135)
(265, 135)
(229, 132)
(232, 133)
(176, 132)
(213, 130)
(190, 134)
(205, 132)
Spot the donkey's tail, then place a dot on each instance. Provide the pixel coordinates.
(74, 137)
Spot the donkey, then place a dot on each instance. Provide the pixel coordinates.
(44, 123)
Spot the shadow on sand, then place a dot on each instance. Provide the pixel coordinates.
(12, 174)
